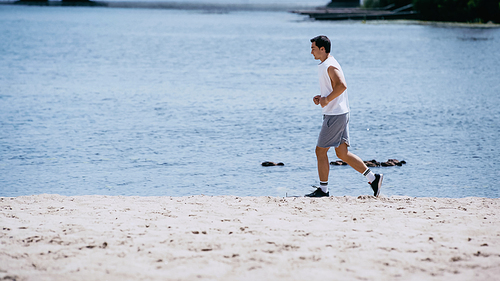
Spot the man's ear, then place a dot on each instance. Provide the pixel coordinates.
(322, 48)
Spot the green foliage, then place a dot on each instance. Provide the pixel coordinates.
(447, 10)
(459, 10)
(385, 3)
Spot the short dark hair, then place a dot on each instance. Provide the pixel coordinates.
(322, 41)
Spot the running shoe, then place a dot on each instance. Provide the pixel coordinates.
(377, 184)
(318, 193)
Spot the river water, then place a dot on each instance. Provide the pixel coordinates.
(180, 102)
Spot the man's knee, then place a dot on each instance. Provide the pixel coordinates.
(341, 152)
(341, 155)
(321, 152)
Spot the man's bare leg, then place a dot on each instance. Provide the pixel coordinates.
(323, 164)
(323, 172)
(350, 158)
(354, 161)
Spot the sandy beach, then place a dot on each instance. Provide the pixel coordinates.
(53, 237)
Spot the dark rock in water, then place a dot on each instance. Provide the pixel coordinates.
(268, 163)
(373, 163)
(393, 162)
(338, 163)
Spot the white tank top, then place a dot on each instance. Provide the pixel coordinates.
(340, 104)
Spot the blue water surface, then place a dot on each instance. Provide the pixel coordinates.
(178, 102)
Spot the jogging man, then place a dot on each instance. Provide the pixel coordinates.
(335, 130)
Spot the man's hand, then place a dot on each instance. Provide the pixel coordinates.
(316, 99)
(323, 101)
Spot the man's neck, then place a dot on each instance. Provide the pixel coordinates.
(327, 56)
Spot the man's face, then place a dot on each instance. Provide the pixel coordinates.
(317, 52)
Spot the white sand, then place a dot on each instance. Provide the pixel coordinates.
(52, 237)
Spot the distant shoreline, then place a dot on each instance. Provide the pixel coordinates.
(235, 7)
(437, 23)
(172, 5)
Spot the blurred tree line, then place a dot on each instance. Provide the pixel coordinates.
(447, 10)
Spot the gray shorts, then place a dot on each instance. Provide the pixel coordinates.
(335, 131)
